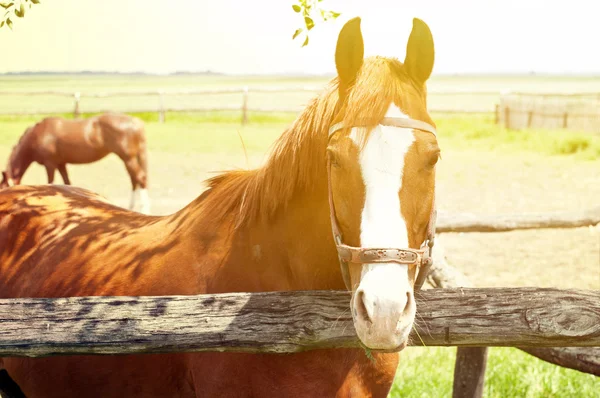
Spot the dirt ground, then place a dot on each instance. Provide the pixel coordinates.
(498, 183)
(468, 181)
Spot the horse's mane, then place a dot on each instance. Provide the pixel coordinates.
(299, 153)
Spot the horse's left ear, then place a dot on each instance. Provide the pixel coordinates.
(349, 52)
(419, 52)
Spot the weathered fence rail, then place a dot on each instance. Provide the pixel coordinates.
(468, 222)
(243, 107)
(284, 322)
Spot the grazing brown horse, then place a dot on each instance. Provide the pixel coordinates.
(360, 159)
(54, 142)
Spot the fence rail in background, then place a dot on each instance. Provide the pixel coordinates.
(568, 111)
(244, 322)
(243, 107)
(468, 222)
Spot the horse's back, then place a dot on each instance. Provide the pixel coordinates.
(123, 123)
(55, 241)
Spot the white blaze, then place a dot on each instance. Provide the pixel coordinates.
(384, 288)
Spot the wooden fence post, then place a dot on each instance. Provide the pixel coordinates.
(161, 107)
(507, 117)
(76, 112)
(470, 364)
(565, 120)
(497, 114)
(529, 119)
(245, 106)
(469, 372)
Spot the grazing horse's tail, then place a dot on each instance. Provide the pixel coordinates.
(142, 157)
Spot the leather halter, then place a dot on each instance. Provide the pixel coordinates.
(420, 258)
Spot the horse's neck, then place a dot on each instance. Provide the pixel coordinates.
(292, 251)
(296, 250)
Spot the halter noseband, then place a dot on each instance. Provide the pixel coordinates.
(420, 258)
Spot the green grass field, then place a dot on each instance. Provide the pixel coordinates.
(190, 147)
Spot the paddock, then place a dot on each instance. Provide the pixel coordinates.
(505, 181)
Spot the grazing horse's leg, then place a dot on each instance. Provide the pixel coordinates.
(50, 171)
(62, 169)
(135, 170)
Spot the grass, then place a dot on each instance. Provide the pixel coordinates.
(428, 372)
(480, 133)
(455, 132)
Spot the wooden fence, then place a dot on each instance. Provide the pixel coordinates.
(569, 111)
(243, 322)
(161, 96)
(471, 362)
(453, 314)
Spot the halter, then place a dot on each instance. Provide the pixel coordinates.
(420, 258)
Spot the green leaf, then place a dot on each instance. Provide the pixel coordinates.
(305, 42)
(21, 11)
(1, 24)
(35, 1)
(296, 33)
(335, 14)
(9, 23)
(296, 8)
(6, 5)
(309, 23)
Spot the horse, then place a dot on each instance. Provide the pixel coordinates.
(344, 201)
(54, 142)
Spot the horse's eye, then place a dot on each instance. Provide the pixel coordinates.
(333, 158)
(433, 158)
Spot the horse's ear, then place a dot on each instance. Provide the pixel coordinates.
(4, 182)
(419, 52)
(349, 51)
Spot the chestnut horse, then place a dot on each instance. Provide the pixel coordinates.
(54, 142)
(252, 230)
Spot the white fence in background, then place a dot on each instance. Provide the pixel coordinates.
(78, 104)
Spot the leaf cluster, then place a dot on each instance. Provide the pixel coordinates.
(309, 10)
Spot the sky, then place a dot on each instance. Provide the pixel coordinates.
(254, 37)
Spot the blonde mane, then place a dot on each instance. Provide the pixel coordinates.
(298, 156)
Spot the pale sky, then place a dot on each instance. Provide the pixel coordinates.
(241, 36)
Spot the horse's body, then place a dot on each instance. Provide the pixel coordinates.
(55, 142)
(260, 230)
(115, 252)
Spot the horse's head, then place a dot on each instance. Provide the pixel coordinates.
(382, 180)
(18, 162)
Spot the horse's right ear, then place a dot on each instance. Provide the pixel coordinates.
(349, 52)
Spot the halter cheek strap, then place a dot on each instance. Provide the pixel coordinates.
(420, 258)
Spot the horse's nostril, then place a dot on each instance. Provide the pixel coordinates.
(361, 309)
(409, 303)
